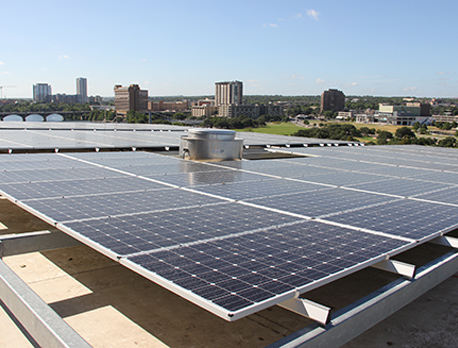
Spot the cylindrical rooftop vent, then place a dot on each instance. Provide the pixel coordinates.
(211, 145)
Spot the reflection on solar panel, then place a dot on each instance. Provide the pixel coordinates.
(239, 237)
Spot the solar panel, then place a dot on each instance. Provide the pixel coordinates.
(344, 178)
(321, 202)
(442, 177)
(449, 195)
(401, 187)
(206, 178)
(254, 189)
(63, 188)
(236, 274)
(80, 207)
(405, 217)
(237, 237)
(175, 226)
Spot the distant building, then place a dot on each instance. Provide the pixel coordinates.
(229, 93)
(168, 106)
(42, 92)
(227, 110)
(365, 118)
(229, 103)
(404, 115)
(65, 98)
(81, 89)
(425, 108)
(345, 115)
(95, 99)
(130, 98)
(332, 100)
(204, 110)
(253, 111)
(206, 101)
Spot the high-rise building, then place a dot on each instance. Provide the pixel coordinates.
(42, 92)
(332, 100)
(130, 98)
(81, 89)
(229, 93)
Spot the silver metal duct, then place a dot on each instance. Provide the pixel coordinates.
(211, 145)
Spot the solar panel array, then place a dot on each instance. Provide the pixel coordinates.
(22, 136)
(238, 237)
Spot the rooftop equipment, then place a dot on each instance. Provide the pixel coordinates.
(211, 145)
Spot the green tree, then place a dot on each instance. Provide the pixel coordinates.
(404, 132)
(383, 137)
(448, 142)
(364, 131)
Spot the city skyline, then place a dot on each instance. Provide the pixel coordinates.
(181, 48)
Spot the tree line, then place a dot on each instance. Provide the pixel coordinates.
(241, 121)
(348, 132)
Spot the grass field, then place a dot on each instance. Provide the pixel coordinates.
(279, 128)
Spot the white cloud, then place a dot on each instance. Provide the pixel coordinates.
(144, 59)
(352, 84)
(63, 56)
(6, 73)
(271, 25)
(313, 14)
(296, 77)
(298, 15)
(443, 73)
(1, 63)
(319, 81)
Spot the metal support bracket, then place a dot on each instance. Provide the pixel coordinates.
(307, 308)
(447, 241)
(398, 267)
(13, 244)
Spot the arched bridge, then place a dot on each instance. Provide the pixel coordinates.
(42, 116)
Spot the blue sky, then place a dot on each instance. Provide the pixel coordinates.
(178, 47)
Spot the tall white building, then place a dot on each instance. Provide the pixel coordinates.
(81, 89)
(42, 92)
(228, 93)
